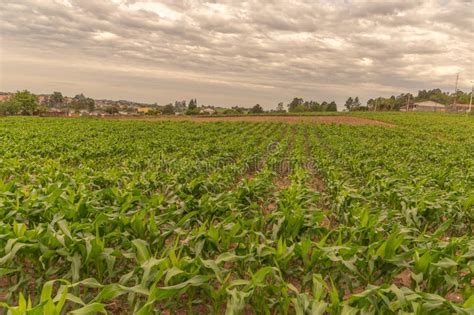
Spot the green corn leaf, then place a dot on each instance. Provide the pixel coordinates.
(92, 308)
(141, 247)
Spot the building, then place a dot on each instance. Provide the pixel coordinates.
(5, 97)
(143, 110)
(459, 108)
(43, 99)
(208, 111)
(428, 106)
(54, 112)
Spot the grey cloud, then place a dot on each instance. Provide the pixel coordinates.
(260, 51)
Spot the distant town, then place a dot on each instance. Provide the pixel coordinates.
(57, 105)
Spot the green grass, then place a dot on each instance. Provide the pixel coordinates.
(151, 217)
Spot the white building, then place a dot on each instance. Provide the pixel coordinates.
(428, 106)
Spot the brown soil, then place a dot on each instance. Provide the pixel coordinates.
(269, 209)
(282, 182)
(4, 284)
(403, 279)
(285, 119)
(454, 297)
(318, 184)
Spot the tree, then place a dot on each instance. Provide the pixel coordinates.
(356, 102)
(332, 107)
(348, 104)
(192, 108)
(192, 104)
(324, 106)
(194, 111)
(371, 104)
(280, 108)
(56, 100)
(314, 106)
(230, 111)
(168, 110)
(352, 104)
(296, 105)
(437, 95)
(24, 102)
(111, 110)
(41, 109)
(80, 102)
(90, 103)
(9, 108)
(239, 110)
(257, 109)
(179, 106)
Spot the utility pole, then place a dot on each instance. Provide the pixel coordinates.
(408, 102)
(456, 92)
(472, 92)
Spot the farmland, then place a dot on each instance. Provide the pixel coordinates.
(262, 217)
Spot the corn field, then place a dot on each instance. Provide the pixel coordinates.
(139, 217)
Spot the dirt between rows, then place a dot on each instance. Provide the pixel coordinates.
(286, 119)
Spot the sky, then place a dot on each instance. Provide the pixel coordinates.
(235, 52)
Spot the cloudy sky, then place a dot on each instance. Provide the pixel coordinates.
(234, 52)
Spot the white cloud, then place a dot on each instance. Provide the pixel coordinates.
(155, 7)
(366, 61)
(104, 36)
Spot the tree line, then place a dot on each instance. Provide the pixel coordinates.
(27, 103)
(298, 105)
(396, 102)
(22, 102)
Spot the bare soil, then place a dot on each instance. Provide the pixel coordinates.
(285, 119)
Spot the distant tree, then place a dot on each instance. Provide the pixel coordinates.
(192, 108)
(332, 107)
(41, 109)
(348, 104)
(324, 106)
(352, 104)
(371, 104)
(390, 103)
(238, 110)
(56, 100)
(80, 102)
(192, 104)
(195, 111)
(230, 111)
(257, 109)
(395, 103)
(280, 107)
(438, 96)
(314, 106)
(111, 110)
(9, 108)
(300, 108)
(23, 102)
(296, 105)
(168, 110)
(179, 106)
(90, 104)
(356, 102)
(463, 98)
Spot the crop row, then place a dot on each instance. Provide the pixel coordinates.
(128, 216)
